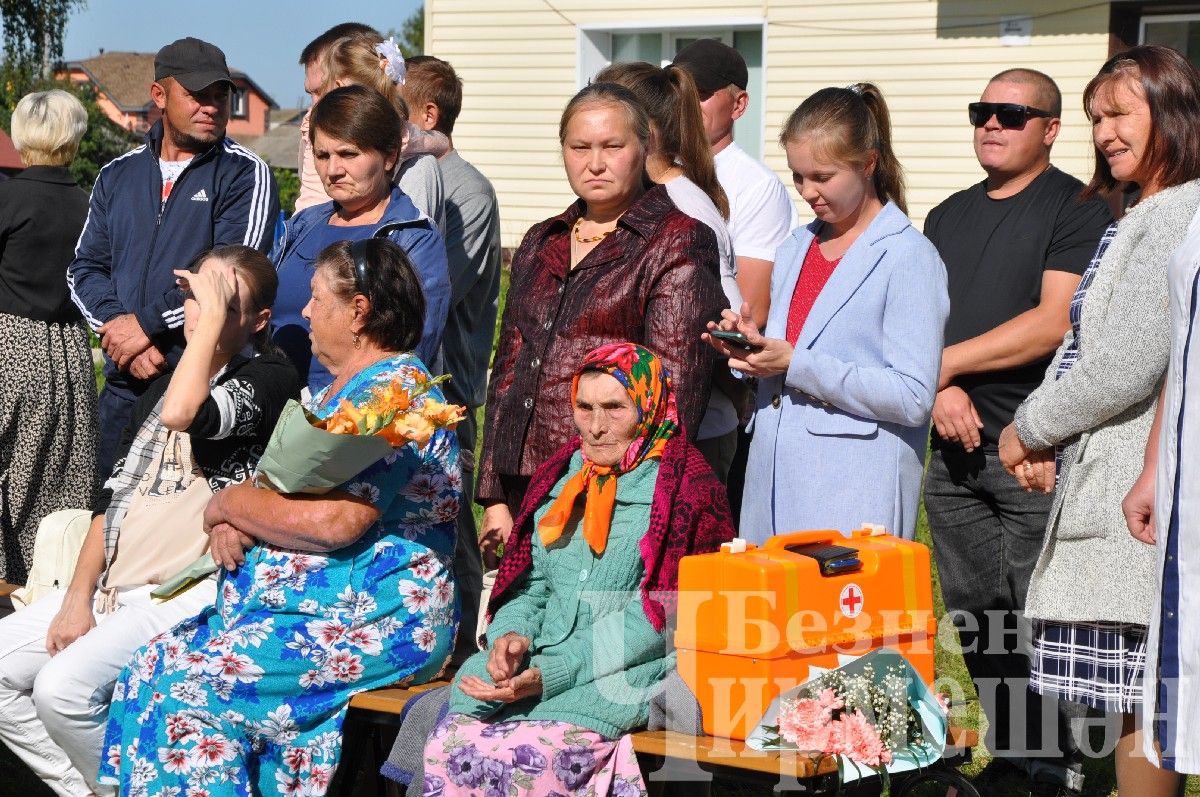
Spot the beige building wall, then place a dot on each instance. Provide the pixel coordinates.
(520, 62)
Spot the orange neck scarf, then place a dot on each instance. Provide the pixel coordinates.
(649, 386)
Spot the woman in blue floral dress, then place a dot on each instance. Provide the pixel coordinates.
(337, 593)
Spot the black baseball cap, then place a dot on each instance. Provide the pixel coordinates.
(194, 63)
(713, 65)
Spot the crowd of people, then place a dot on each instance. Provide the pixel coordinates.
(679, 362)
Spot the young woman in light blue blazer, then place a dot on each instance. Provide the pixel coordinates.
(848, 363)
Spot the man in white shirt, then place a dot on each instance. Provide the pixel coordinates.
(760, 217)
(760, 213)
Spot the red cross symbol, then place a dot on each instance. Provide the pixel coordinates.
(851, 600)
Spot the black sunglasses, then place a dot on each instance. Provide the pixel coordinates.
(1008, 114)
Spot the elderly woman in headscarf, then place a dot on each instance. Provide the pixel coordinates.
(577, 639)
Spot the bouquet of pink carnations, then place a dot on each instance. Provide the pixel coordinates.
(874, 712)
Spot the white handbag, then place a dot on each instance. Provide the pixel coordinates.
(56, 548)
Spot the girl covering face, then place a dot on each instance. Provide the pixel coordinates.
(194, 434)
(214, 293)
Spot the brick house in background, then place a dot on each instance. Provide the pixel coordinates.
(122, 82)
(10, 159)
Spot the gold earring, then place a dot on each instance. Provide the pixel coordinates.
(356, 341)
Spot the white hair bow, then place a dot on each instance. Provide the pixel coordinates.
(393, 65)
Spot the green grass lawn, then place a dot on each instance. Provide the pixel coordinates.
(504, 279)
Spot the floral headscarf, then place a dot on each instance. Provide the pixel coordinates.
(648, 384)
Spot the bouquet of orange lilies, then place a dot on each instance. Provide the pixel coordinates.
(307, 454)
(392, 414)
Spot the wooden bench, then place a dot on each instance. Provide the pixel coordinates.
(677, 752)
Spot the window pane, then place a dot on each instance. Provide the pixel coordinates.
(748, 130)
(628, 47)
(681, 40)
(1182, 35)
(599, 48)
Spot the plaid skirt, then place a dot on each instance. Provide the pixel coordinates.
(1097, 664)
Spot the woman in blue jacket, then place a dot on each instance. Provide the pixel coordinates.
(848, 364)
(355, 133)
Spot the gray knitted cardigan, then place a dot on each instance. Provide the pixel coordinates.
(1090, 568)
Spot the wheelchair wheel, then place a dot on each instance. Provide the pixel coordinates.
(937, 783)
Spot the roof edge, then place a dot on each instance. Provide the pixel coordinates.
(81, 66)
(69, 65)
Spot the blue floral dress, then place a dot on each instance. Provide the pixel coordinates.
(249, 697)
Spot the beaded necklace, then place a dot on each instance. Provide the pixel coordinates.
(593, 239)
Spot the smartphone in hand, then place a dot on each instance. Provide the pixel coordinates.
(735, 339)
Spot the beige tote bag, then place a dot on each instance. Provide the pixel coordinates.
(163, 529)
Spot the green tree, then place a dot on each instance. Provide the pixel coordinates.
(33, 39)
(289, 188)
(411, 37)
(103, 140)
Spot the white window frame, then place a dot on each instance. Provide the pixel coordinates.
(668, 37)
(594, 45)
(242, 94)
(1152, 18)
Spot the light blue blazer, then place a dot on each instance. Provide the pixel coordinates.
(839, 440)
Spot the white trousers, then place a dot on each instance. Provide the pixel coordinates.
(53, 709)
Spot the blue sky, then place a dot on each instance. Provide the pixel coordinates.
(260, 37)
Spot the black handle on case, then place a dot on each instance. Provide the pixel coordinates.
(832, 559)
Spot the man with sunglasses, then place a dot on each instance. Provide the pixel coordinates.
(1015, 246)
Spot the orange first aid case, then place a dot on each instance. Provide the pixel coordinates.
(751, 620)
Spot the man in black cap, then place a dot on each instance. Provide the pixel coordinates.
(186, 190)
(760, 213)
(760, 217)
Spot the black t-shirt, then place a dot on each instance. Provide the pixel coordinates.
(226, 441)
(995, 251)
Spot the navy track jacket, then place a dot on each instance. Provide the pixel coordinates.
(131, 242)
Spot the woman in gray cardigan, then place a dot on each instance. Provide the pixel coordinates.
(1093, 586)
